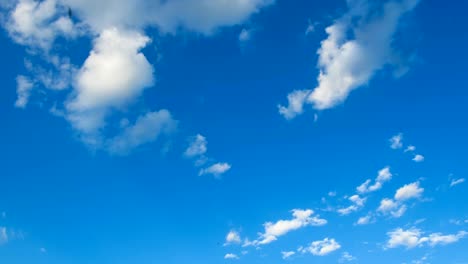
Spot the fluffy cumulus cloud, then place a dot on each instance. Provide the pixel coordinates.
(168, 16)
(418, 158)
(301, 218)
(414, 237)
(231, 256)
(409, 191)
(364, 220)
(116, 72)
(396, 142)
(233, 237)
(321, 247)
(357, 203)
(383, 176)
(197, 147)
(37, 24)
(396, 207)
(358, 45)
(216, 169)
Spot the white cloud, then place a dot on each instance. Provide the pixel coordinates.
(245, 35)
(168, 16)
(116, 71)
(394, 208)
(457, 181)
(346, 257)
(296, 101)
(197, 147)
(23, 90)
(364, 220)
(383, 176)
(322, 247)
(146, 129)
(233, 237)
(287, 254)
(231, 256)
(410, 148)
(409, 238)
(38, 23)
(414, 237)
(397, 207)
(418, 158)
(396, 142)
(332, 194)
(301, 218)
(358, 203)
(3, 235)
(310, 28)
(358, 45)
(409, 191)
(216, 169)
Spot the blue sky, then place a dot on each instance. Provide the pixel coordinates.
(256, 131)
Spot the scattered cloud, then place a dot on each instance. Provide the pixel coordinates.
(197, 149)
(321, 247)
(23, 90)
(116, 72)
(383, 176)
(414, 237)
(232, 237)
(409, 191)
(365, 220)
(457, 181)
(146, 129)
(358, 45)
(3, 235)
(346, 257)
(410, 148)
(397, 207)
(396, 142)
(301, 218)
(37, 24)
(287, 254)
(216, 169)
(310, 27)
(418, 158)
(231, 256)
(245, 35)
(358, 203)
(296, 101)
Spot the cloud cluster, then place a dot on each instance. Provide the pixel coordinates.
(198, 146)
(301, 218)
(414, 237)
(321, 247)
(383, 176)
(232, 237)
(357, 203)
(116, 72)
(396, 142)
(358, 45)
(396, 207)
